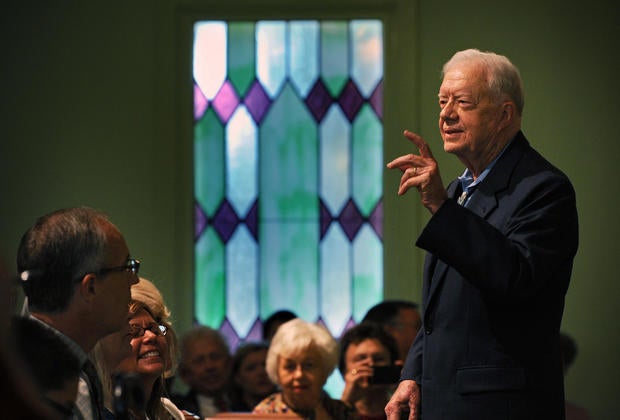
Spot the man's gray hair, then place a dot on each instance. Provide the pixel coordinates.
(503, 77)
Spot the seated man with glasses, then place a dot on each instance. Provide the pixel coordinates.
(76, 271)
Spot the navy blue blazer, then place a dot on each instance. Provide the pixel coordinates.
(495, 277)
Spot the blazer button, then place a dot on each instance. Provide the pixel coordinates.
(428, 331)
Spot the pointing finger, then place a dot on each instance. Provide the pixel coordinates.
(425, 151)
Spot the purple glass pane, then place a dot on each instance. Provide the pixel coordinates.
(256, 332)
(318, 100)
(251, 220)
(200, 221)
(376, 100)
(225, 221)
(350, 100)
(376, 219)
(200, 103)
(257, 102)
(229, 332)
(326, 218)
(350, 219)
(225, 102)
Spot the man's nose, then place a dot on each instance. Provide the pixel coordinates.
(448, 110)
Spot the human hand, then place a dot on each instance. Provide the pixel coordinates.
(406, 395)
(422, 172)
(356, 380)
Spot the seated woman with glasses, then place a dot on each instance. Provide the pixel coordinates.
(134, 362)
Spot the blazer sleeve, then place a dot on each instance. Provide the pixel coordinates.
(525, 244)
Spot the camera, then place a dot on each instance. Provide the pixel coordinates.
(128, 395)
(384, 375)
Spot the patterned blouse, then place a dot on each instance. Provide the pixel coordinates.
(335, 408)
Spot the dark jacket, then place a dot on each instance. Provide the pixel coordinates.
(495, 278)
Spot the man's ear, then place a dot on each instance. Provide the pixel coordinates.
(88, 286)
(508, 113)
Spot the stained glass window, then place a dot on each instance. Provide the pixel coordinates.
(288, 161)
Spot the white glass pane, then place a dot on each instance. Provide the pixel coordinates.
(335, 159)
(367, 54)
(210, 56)
(242, 280)
(271, 55)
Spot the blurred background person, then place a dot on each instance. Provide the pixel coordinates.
(399, 318)
(48, 363)
(301, 357)
(273, 321)
(364, 349)
(250, 383)
(205, 368)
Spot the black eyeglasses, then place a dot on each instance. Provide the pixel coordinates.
(137, 331)
(132, 265)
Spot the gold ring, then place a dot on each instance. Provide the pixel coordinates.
(415, 170)
(354, 372)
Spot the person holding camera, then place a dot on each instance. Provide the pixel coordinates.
(367, 356)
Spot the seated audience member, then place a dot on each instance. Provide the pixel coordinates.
(250, 382)
(19, 395)
(49, 363)
(205, 368)
(568, 348)
(76, 271)
(363, 348)
(301, 357)
(273, 321)
(400, 318)
(144, 351)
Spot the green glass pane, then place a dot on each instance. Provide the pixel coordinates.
(209, 162)
(289, 207)
(209, 298)
(367, 160)
(367, 271)
(241, 55)
(288, 161)
(334, 55)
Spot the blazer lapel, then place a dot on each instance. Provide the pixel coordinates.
(482, 202)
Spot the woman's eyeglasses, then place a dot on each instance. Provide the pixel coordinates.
(137, 331)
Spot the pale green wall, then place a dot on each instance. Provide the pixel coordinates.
(92, 114)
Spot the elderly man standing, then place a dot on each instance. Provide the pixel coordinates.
(76, 273)
(501, 241)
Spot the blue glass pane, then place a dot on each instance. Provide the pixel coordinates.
(242, 161)
(210, 56)
(242, 281)
(367, 54)
(335, 279)
(271, 55)
(304, 65)
(335, 160)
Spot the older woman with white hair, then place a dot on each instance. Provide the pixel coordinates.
(301, 357)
